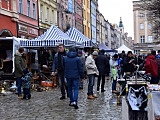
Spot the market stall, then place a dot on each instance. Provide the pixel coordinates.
(51, 38)
(102, 46)
(123, 48)
(46, 45)
(76, 35)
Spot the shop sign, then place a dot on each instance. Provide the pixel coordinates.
(23, 28)
(33, 31)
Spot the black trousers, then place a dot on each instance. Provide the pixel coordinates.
(26, 93)
(99, 81)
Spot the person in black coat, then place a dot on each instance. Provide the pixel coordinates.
(102, 64)
(129, 63)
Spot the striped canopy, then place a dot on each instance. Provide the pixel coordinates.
(51, 38)
(76, 35)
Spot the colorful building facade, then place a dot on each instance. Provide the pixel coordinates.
(8, 18)
(28, 19)
(93, 21)
(87, 18)
(78, 15)
(47, 14)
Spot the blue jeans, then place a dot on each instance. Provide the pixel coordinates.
(19, 85)
(114, 85)
(73, 87)
(63, 84)
(91, 84)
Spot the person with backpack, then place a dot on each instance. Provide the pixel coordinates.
(151, 67)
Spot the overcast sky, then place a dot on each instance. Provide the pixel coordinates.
(112, 10)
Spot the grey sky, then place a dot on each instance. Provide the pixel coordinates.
(114, 9)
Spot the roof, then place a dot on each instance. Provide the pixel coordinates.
(76, 35)
(52, 37)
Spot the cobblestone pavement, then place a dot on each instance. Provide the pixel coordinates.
(47, 106)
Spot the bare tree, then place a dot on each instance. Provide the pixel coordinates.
(153, 15)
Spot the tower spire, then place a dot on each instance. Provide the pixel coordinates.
(121, 23)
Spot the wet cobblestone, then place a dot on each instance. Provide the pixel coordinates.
(47, 106)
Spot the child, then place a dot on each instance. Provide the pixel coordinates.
(114, 72)
(26, 83)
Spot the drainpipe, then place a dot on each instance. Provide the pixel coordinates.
(38, 6)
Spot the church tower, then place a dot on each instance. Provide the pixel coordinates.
(121, 27)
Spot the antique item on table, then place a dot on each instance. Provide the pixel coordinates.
(47, 83)
(45, 68)
(2, 90)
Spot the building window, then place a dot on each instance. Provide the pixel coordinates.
(52, 18)
(89, 32)
(142, 39)
(93, 34)
(88, 16)
(141, 15)
(149, 26)
(84, 14)
(20, 6)
(41, 12)
(47, 15)
(141, 26)
(150, 39)
(85, 30)
(84, 2)
(34, 10)
(88, 4)
(28, 8)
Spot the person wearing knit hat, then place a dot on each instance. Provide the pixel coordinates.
(92, 70)
(95, 53)
(79, 52)
(72, 49)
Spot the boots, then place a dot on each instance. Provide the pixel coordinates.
(90, 97)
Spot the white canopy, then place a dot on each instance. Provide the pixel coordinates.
(123, 48)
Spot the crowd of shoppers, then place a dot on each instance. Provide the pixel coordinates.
(71, 67)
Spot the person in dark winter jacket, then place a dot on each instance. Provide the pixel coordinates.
(26, 83)
(59, 67)
(103, 67)
(82, 58)
(73, 72)
(20, 65)
(151, 67)
(129, 63)
(123, 57)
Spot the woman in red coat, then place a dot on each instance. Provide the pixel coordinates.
(151, 67)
